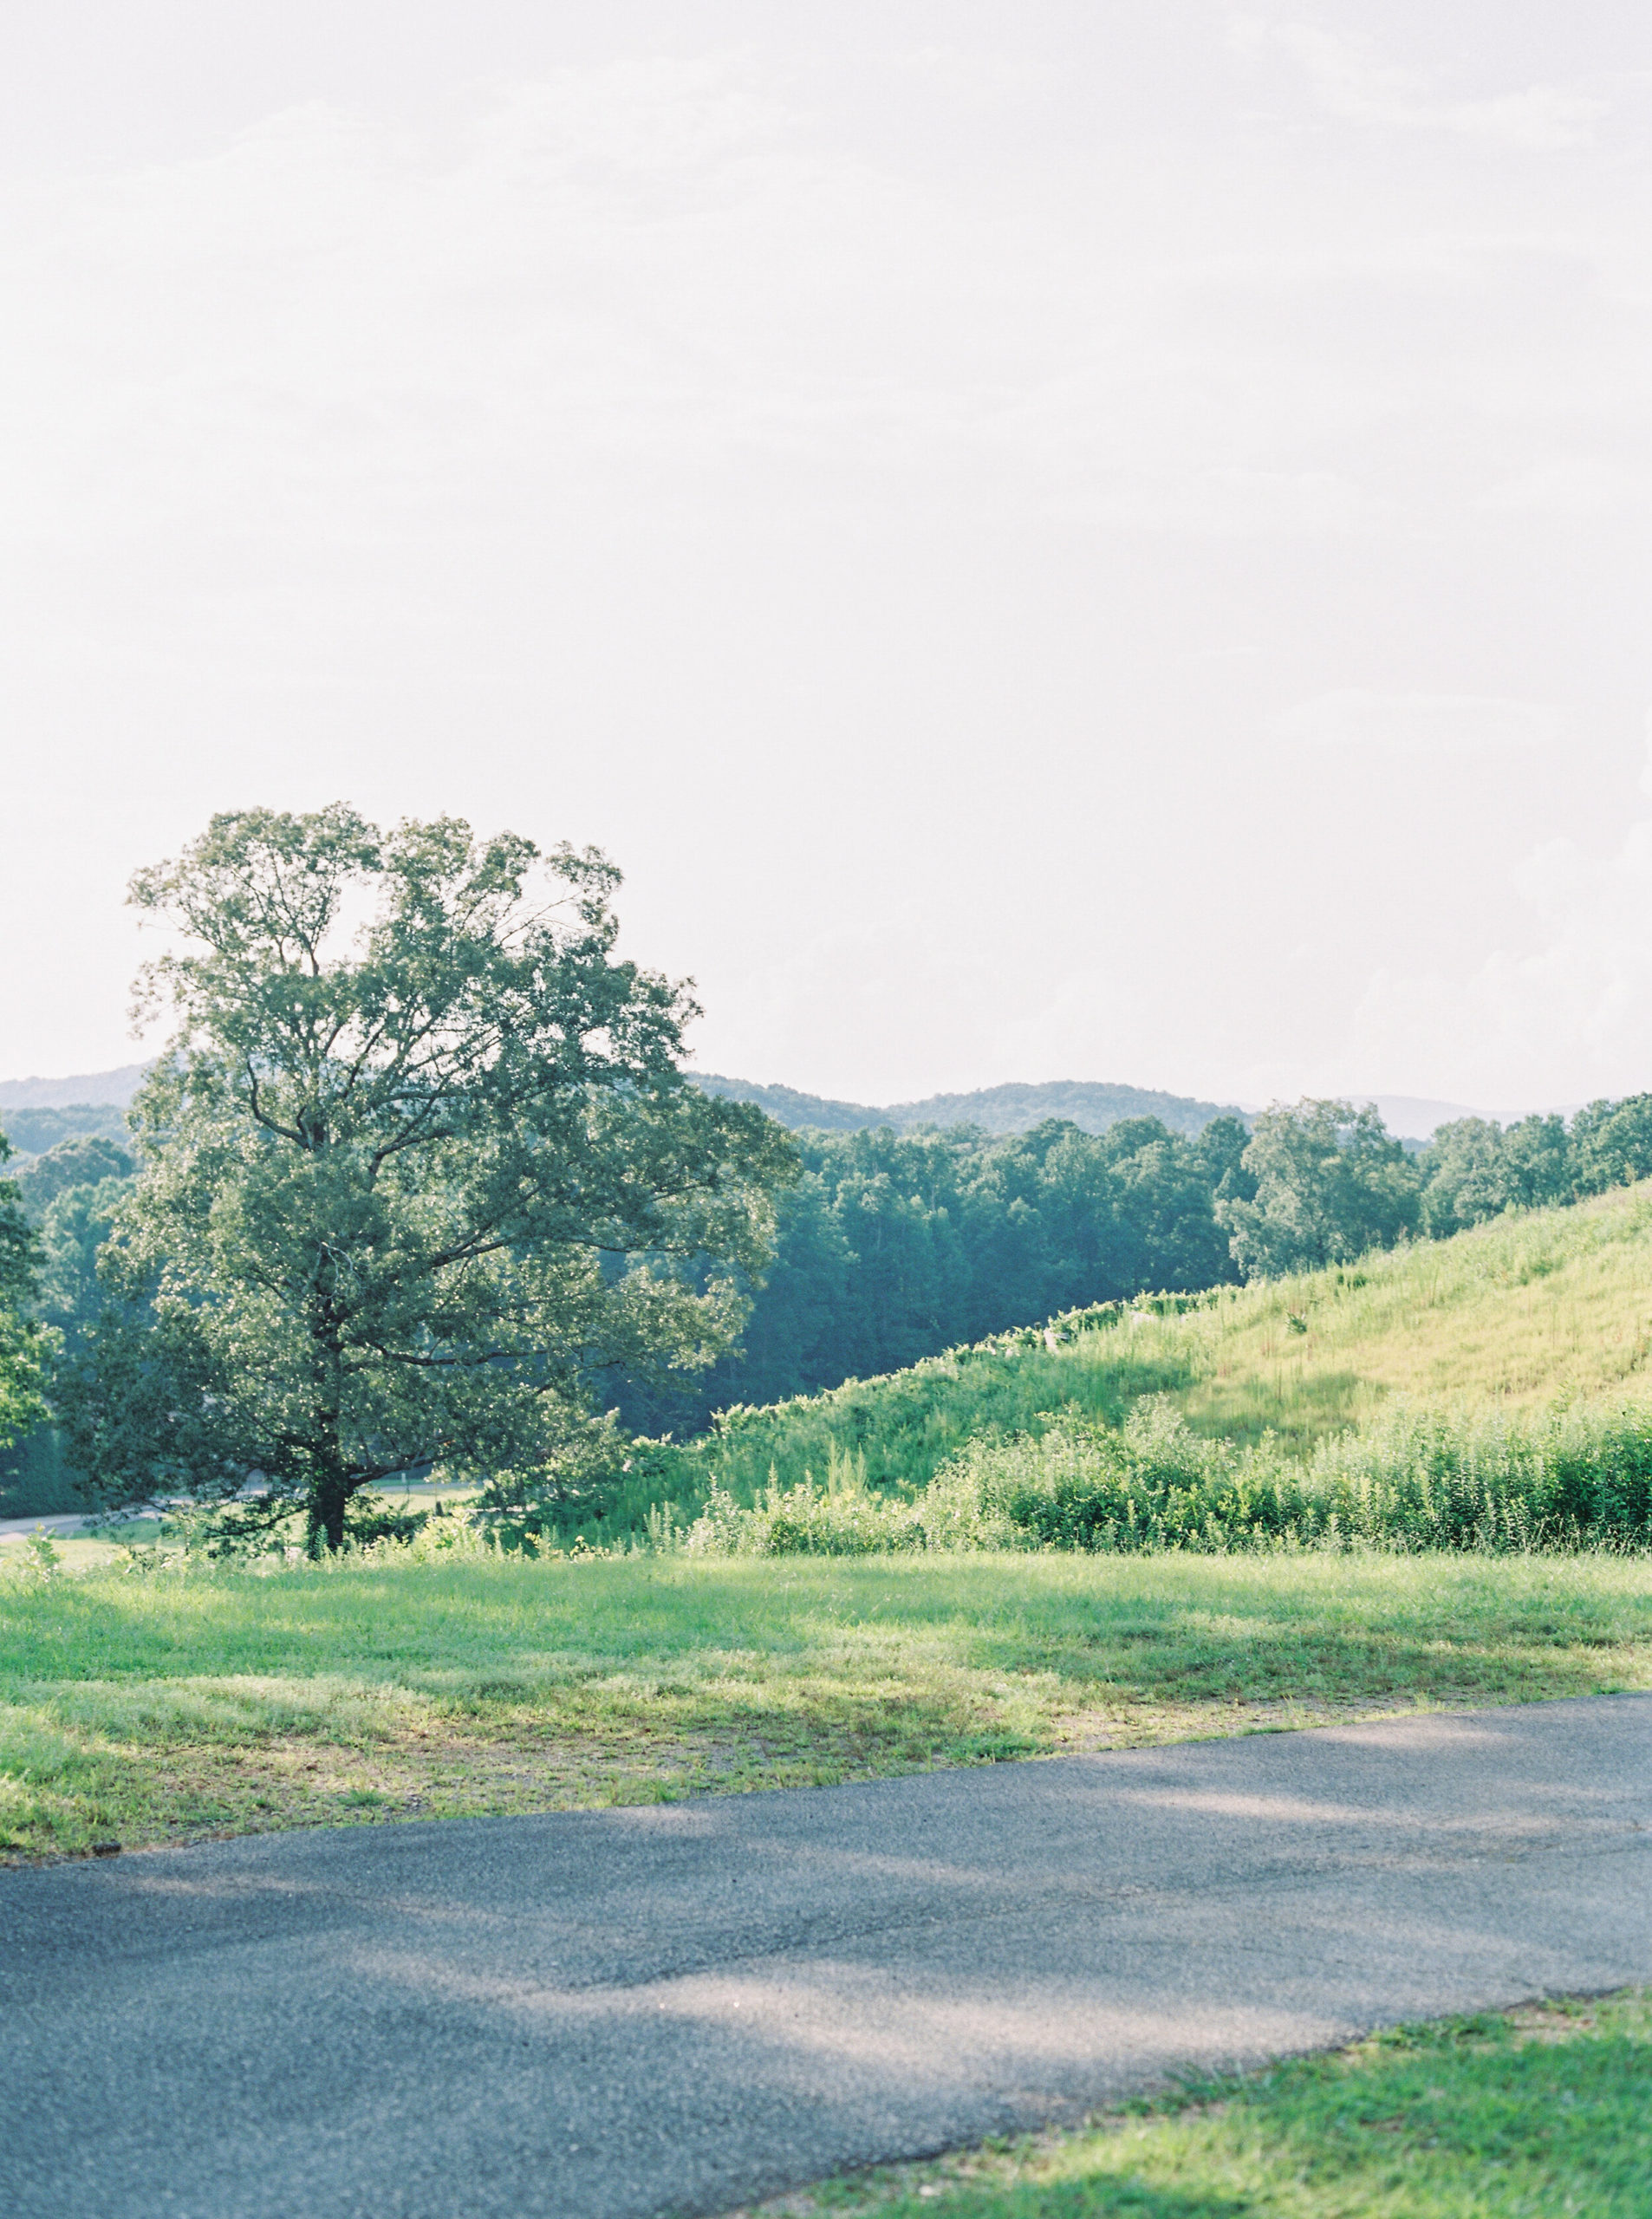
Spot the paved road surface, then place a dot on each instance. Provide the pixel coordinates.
(676, 2008)
(53, 1525)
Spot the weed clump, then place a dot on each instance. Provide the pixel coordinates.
(1490, 1481)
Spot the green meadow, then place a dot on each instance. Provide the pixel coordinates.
(161, 1705)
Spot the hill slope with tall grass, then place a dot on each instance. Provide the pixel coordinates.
(1527, 1309)
(1533, 1309)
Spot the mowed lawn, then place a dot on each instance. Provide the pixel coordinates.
(1527, 2114)
(154, 1706)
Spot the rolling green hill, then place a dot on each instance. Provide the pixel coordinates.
(1532, 1308)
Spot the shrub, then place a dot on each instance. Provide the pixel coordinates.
(1488, 1480)
(1414, 1479)
(1150, 1483)
(843, 1517)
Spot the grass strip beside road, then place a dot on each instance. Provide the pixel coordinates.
(1508, 2115)
(167, 1706)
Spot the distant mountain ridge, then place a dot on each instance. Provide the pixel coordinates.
(1092, 1104)
(114, 1088)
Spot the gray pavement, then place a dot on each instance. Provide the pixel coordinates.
(675, 2009)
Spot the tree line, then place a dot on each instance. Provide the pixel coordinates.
(418, 1181)
(892, 1246)
(889, 1247)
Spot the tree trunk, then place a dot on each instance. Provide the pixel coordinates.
(329, 1486)
(329, 1495)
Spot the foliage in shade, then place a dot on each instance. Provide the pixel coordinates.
(23, 1348)
(891, 1247)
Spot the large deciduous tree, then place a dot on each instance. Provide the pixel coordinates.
(418, 1161)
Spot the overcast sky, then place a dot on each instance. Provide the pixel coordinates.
(1101, 540)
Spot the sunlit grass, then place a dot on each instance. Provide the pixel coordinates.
(1528, 2114)
(173, 1704)
(1524, 1310)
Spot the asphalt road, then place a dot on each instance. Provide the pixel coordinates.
(675, 2009)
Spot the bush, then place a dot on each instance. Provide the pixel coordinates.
(843, 1517)
(1486, 1480)
(1415, 1480)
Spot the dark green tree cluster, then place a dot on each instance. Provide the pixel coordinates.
(1475, 1170)
(1329, 1183)
(23, 1346)
(893, 1246)
(67, 1198)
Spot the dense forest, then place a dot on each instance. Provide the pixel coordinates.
(893, 1246)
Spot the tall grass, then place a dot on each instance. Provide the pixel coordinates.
(1488, 1480)
(899, 1430)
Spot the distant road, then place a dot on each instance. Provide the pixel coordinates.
(677, 2009)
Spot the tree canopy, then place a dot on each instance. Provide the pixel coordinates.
(418, 1164)
(23, 1347)
(1329, 1184)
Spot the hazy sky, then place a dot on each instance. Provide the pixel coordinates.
(1103, 540)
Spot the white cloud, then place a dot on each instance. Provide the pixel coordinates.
(1574, 485)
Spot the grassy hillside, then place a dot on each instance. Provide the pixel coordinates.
(1524, 1310)
(1520, 1313)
